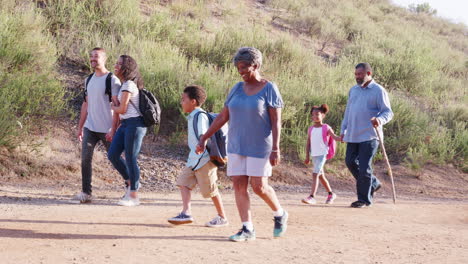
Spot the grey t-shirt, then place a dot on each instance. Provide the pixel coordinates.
(99, 111)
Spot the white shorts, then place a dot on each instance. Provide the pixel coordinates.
(250, 166)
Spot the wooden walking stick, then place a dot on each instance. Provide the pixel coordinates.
(388, 163)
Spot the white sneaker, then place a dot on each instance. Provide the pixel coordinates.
(127, 193)
(309, 200)
(129, 202)
(83, 197)
(218, 221)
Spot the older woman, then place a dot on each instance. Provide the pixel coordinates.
(131, 131)
(253, 109)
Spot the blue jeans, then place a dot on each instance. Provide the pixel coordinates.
(359, 162)
(128, 138)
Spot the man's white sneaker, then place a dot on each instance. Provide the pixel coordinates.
(83, 197)
(129, 202)
(218, 221)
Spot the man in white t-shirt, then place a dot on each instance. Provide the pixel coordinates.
(96, 116)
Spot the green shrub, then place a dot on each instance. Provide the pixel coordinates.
(28, 82)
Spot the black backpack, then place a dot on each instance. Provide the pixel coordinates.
(108, 85)
(148, 107)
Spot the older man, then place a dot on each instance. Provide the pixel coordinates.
(368, 107)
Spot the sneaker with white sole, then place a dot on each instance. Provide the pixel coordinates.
(129, 202)
(243, 235)
(330, 198)
(309, 200)
(218, 221)
(281, 224)
(181, 219)
(83, 197)
(126, 196)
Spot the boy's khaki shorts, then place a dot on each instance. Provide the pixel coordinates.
(205, 177)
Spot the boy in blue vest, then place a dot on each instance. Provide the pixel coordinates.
(199, 169)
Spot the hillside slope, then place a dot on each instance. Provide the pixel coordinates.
(310, 49)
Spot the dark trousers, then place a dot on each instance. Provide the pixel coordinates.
(90, 139)
(359, 162)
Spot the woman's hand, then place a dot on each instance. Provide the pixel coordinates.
(110, 135)
(275, 158)
(307, 161)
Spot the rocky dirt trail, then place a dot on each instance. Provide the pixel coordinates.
(45, 226)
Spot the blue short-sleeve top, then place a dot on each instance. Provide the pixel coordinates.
(250, 131)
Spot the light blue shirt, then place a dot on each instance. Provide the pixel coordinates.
(249, 120)
(363, 104)
(192, 140)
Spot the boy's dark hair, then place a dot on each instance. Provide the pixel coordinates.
(323, 108)
(364, 65)
(196, 92)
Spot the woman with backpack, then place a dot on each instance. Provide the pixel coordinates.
(129, 135)
(253, 109)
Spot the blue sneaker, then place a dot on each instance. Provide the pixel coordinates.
(281, 224)
(243, 235)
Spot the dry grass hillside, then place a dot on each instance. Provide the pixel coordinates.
(423, 64)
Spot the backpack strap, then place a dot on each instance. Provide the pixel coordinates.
(325, 133)
(330, 142)
(195, 129)
(109, 85)
(86, 86)
(195, 124)
(309, 131)
(136, 108)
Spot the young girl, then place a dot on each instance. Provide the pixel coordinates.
(321, 146)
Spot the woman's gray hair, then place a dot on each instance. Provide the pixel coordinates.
(250, 55)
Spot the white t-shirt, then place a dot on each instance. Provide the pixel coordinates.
(99, 117)
(317, 146)
(132, 88)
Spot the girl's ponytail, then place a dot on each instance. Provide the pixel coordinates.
(323, 108)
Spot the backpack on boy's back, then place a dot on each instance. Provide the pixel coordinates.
(217, 145)
(327, 139)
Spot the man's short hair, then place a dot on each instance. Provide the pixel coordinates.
(98, 49)
(364, 65)
(196, 92)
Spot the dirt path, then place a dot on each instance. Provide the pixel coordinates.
(37, 227)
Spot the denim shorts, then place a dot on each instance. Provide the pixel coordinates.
(319, 162)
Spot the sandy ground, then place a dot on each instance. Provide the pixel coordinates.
(45, 226)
